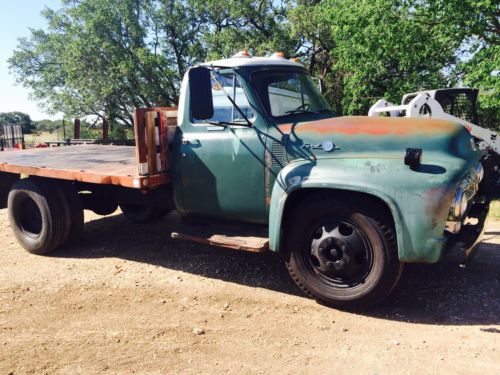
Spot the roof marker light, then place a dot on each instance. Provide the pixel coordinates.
(243, 53)
(278, 55)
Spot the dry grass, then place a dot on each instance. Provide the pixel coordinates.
(37, 138)
(495, 210)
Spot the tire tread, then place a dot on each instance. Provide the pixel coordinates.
(386, 228)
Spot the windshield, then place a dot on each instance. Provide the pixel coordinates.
(289, 93)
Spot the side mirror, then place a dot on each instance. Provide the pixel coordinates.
(200, 93)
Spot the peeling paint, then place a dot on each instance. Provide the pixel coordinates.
(372, 126)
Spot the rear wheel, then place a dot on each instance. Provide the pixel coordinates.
(36, 216)
(73, 211)
(342, 252)
(143, 213)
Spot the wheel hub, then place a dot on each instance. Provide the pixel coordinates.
(340, 251)
(336, 254)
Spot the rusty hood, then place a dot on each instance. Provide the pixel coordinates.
(360, 136)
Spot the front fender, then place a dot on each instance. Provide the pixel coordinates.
(418, 200)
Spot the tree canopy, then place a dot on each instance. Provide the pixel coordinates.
(17, 118)
(105, 57)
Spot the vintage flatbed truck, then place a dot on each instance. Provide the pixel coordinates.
(254, 159)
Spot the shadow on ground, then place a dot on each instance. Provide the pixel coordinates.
(442, 294)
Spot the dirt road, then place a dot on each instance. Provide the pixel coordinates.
(130, 300)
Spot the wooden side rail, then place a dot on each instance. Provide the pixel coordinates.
(151, 127)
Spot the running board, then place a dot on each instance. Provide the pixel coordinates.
(242, 237)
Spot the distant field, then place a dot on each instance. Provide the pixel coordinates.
(34, 139)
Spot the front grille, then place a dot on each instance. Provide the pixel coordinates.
(278, 154)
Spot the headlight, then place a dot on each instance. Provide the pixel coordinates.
(479, 172)
(459, 206)
(463, 205)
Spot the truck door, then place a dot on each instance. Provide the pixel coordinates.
(222, 167)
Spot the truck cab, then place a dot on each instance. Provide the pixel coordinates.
(257, 143)
(258, 161)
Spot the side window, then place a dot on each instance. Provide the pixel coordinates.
(224, 111)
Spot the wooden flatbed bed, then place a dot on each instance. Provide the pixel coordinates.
(141, 167)
(98, 164)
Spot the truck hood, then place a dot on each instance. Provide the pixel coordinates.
(359, 136)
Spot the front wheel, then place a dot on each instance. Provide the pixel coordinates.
(342, 252)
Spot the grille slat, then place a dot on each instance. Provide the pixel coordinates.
(278, 154)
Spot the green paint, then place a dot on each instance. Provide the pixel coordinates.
(248, 174)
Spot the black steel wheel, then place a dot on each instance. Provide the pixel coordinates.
(342, 252)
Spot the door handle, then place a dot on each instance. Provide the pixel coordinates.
(191, 142)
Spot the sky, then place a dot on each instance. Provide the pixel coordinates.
(16, 17)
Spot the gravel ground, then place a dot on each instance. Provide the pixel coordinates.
(130, 300)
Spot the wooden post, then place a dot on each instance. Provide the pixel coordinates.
(76, 133)
(151, 141)
(140, 140)
(105, 129)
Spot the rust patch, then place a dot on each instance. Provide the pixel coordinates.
(438, 202)
(355, 125)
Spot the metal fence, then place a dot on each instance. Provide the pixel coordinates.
(12, 136)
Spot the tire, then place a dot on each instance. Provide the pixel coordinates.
(342, 252)
(36, 216)
(101, 204)
(73, 208)
(142, 213)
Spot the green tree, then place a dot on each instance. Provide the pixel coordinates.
(17, 118)
(105, 57)
(368, 49)
(94, 59)
(479, 30)
(102, 58)
(260, 27)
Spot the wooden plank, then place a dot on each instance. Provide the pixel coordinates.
(93, 177)
(151, 141)
(235, 236)
(140, 138)
(98, 164)
(251, 244)
(166, 115)
(171, 117)
(163, 131)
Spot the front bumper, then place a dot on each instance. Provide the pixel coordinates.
(460, 247)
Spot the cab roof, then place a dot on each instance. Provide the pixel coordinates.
(235, 62)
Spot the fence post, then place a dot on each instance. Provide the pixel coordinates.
(105, 128)
(76, 133)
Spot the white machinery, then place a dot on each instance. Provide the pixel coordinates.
(457, 105)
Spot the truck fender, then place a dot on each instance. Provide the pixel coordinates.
(294, 178)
